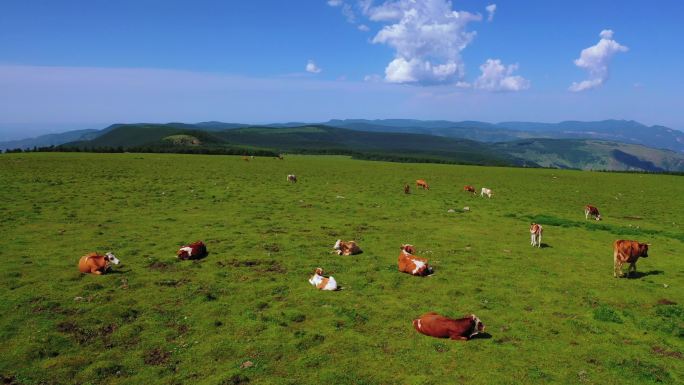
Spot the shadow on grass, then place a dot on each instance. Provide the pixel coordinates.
(482, 336)
(545, 246)
(642, 274)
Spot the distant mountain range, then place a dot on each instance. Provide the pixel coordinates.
(610, 144)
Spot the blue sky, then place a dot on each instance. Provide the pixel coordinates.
(86, 64)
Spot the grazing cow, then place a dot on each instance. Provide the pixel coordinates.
(192, 251)
(280, 156)
(435, 325)
(95, 263)
(470, 189)
(413, 264)
(321, 282)
(627, 252)
(346, 248)
(423, 184)
(292, 178)
(536, 231)
(407, 189)
(592, 211)
(486, 191)
(245, 158)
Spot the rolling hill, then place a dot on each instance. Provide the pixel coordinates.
(588, 154)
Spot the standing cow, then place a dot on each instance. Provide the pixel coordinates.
(592, 211)
(413, 264)
(292, 178)
(435, 325)
(627, 252)
(486, 191)
(536, 231)
(95, 263)
(194, 250)
(422, 184)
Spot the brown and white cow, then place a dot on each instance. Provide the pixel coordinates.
(536, 231)
(292, 178)
(192, 251)
(435, 325)
(346, 248)
(627, 252)
(470, 189)
(422, 184)
(486, 191)
(95, 263)
(413, 264)
(321, 282)
(592, 211)
(407, 189)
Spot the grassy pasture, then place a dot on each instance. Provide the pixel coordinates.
(554, 315)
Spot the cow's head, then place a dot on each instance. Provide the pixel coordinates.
(318, 271)
(112, 258)
(337, 244)
(408, 248)
(478, 326)
(643, 250)
(598, 217)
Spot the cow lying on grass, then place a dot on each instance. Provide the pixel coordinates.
(469, 189)
(95, 263)
(292, 178)
(346, 248)
(536, 231)
(321, 282)
(592, 211)
(627, 252)
(194, 250)
(435, 325)
(413, 264)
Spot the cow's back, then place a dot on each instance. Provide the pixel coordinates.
(627, 251)
(88, 261)
(435, 325)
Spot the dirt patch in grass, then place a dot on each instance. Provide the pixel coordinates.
(156, 356)
(172, 282)
(260, 265)
(664, 301)
(661, 351)
(159, 266)
(84, 335)
(237, 379)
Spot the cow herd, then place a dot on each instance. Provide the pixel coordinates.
(431, 324)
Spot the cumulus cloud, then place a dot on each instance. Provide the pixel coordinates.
(596, 60)
(427, 36)
(491, 8)
(499, 77)
(311, 67)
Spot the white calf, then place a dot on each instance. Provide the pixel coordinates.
(486, 191)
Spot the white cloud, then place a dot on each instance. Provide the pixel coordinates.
(427, 36)
(491, 8)
(498, 77)
(335, 3)
(374, 78)
(596, 59)
(363, 27)
(311, 67)
(346, 8)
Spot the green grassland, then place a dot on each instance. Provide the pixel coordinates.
(554, 315)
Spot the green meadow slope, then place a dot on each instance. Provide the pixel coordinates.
(553, 315)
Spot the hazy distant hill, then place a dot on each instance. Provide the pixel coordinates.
(593, 155)
(48, 140)
(398, 146)
(627, 131)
